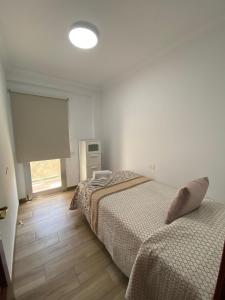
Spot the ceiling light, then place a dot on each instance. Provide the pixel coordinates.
(83, 35)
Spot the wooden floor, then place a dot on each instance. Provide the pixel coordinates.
(58, 257)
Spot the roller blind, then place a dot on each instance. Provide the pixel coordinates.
(40, 127)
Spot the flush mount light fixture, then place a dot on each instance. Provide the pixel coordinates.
(83, 35)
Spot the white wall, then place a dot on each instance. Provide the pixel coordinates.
(8, 191)
(172, 114)
(84, 109)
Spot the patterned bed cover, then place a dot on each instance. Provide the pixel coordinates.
(164, 262)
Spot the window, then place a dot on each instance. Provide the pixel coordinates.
(45, 175)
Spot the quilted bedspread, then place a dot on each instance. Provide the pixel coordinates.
(163, 262)
(181, 260)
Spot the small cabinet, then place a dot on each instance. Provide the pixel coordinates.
(90, 158)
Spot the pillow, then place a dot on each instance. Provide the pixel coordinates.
(187, 199)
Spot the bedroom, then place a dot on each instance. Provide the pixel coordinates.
(151, 91)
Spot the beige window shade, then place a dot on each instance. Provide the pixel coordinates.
(40, 127)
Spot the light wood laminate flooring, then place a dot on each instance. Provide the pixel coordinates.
(57, 256)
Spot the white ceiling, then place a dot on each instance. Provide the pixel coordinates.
(35, 33)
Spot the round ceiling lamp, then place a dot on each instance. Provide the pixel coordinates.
(83, 35)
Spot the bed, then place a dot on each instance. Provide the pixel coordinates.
(164, 262)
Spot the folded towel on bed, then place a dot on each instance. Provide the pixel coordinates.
(102, 173)
(101, 182)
